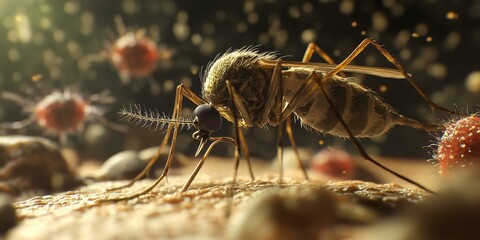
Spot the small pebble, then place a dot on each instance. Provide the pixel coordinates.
(8, 217)
(33, 164)
(123, 165)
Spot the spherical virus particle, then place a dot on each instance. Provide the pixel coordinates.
(460, 144)
(61, 113)
(134, 56)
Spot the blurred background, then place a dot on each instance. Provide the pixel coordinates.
(68, 44)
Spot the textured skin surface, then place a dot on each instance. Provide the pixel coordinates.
(460, 144)
(165, 212)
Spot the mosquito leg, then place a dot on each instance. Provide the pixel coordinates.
(202, 161)
(244, 146)
(391, 59)
(237, 104)
(280, 151)
(307, 89)
(232, 93)
(359, 147)
(274, 104)
(288, 127)
(280, 132)
(314, 48)
(155, 158)
(270, 102)
(311, 49)
(237, 101)
(180, 93)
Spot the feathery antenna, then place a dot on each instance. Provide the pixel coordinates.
(151, 119)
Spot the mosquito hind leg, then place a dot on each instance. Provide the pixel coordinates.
(314, 48)
(391, 59)
(359, 147)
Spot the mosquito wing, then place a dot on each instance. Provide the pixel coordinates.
(375, 71)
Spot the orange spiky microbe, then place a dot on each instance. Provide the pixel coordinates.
(61, 113)
(460, 144)
(134, 56)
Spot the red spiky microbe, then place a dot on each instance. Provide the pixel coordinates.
(460, 144)
(134, 56)
(58, 113)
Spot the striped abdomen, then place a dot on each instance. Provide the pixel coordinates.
(365, 113)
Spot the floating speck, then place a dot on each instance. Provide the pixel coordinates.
(72, 7)
(347, 7)
(472, 83)
(452, 15)
(309, 35)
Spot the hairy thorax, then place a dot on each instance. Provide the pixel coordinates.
(248, 78)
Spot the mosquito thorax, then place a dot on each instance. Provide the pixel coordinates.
(248, 77)
(207, 118)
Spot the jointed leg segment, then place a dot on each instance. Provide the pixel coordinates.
(391, 59)
(172, 131)
(359, 147)
(314, 82)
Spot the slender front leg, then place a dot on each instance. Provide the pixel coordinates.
(207, 152)
(171, 131)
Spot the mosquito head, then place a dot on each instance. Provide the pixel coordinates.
(207, 118)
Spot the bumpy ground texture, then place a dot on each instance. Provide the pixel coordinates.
(200, 213)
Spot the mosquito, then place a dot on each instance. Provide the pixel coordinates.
(249, 88)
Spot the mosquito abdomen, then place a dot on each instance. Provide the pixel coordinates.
(365, 113)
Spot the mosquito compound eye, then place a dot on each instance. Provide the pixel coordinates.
(208, 118)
